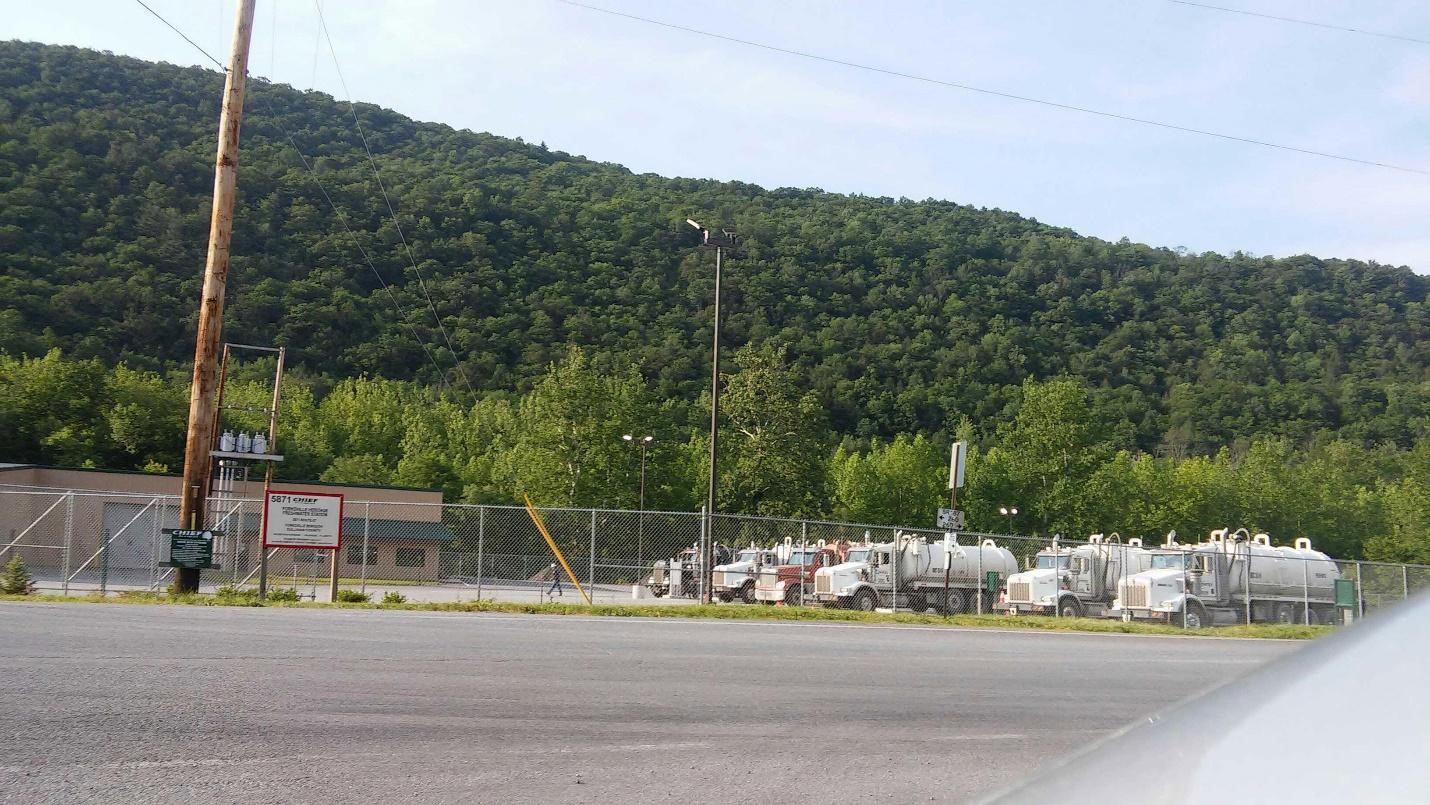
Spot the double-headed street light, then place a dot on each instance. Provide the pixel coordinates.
(643, 442)
(1008, 512)
(719, 242)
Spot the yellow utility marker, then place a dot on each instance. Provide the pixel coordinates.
(540, 526)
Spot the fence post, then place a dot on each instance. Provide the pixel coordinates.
(1185, 588)
(1360, 593)
(1246, 598)
(804, 548)
(982, 581)
(69, 541)
(103, 562)
(1306, 590)
(1404, 581)
(366, 536)
(591, 569)
(481, 543)
(898, 549)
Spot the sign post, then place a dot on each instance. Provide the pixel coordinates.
(309, 520)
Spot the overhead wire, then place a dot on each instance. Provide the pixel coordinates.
(183, 35)
(337, 213)
(1300, 21)
(1000, 93)
(391, 211)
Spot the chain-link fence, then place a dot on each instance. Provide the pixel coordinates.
(84, 542)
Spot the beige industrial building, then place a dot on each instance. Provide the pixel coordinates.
(58, 519)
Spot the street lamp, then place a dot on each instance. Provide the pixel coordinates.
(720, 242)
(643, 442)
(1008, 512)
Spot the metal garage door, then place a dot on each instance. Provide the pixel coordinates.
(135, 531)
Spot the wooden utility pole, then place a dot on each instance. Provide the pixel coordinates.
(203, 410)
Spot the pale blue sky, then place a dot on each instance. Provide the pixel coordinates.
(667, 102)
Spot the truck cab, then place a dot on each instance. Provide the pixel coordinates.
(839, 582)
(1233, 578)
(789, 582)
(736, 581)
(1075, 581)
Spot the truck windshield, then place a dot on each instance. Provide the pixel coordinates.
(1167, 561)
(858, 555)
(747, 556)
(801, 557)
(1046, 562)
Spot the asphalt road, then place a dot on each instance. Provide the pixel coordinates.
(189, 704)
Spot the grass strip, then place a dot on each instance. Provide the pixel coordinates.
(722, 612)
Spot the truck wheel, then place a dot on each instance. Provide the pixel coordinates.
(1195, 618)
(1285, 613)
(794, 596)
(1070, 607)
(864, 601)
(726, 598)
(956, 603)
(747, 592)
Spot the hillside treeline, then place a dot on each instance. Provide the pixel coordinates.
(897, 317)
(1058, 459)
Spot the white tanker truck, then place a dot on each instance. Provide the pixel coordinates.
(1287, 584)
(865, 582)
(1075, 581)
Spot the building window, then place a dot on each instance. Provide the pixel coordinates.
(411, 557)
(355, 556)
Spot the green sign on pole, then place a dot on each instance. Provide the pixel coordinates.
(190, 549)
(1346, 593)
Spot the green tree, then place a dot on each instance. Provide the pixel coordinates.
(16, 580)
(774, 454)
(568, 449)
(902, 482)
(1049, 452)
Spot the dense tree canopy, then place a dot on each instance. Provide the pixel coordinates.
(898, 316)
(1102, 386)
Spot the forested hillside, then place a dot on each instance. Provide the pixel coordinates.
(898, 316)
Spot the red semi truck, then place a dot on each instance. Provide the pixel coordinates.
(789, 582)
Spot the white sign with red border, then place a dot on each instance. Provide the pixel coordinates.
(312, 520)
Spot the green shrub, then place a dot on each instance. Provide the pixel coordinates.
(283, 594)
(232, 591)
(16, 580)
(393, 597)
(353, 597)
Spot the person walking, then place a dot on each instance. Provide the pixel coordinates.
(555, 583)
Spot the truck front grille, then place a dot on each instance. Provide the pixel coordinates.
(1134, 595)
(1020, 591)
(766, 581)
(821, 583)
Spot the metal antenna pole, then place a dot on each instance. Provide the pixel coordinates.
(202, 410)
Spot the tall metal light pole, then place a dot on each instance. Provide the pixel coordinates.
(643, 442)
(720, 242)
(203, 412)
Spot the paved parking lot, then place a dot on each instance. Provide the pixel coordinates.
(190, 704)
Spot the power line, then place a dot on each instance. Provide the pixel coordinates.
(1001, 94)
(185, 36)
(342, 219)
(1298, 21)
(337, 213)
(392, 213)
